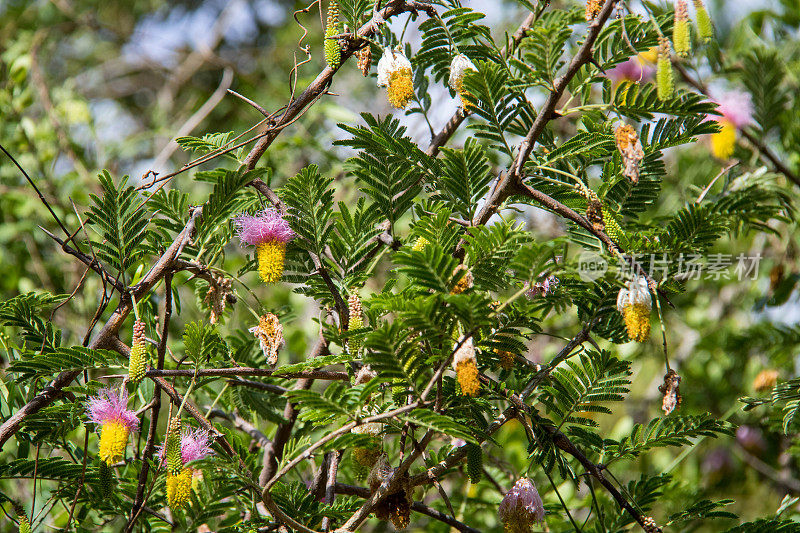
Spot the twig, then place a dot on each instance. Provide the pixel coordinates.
(248, 371)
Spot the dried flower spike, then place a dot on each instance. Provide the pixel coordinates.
(680, 30)
(650, 525)
(664, 76)
(220, 291)
(333, 54)
(671, 391)
(396, 507)
(634, 303)
(269, 233)
(465, 282)
(507, 359)
(364, 57)
(137, 362)
(630, 147)
(736, 108)
(466, 366)
(765, 380)
(394, 73)
(108, 410)
(705, 28)
(594, 212)
(269, 333)
(593, 8)
(521, 507)
(458, 69)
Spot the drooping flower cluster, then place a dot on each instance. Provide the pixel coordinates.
(396, 507)
(364, 56)
(466, 366)
(594, 211)
(220, 292)
(109, 411)
(394, 73)
(736, 108)
(634, 303)
(137, 362)
(593, 8)
(269, 333)
(671, 392)
(269, 233)
(630, 147)
(458, 69)
(521, 507)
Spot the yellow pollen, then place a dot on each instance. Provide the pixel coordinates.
(179, 488)
(637, 320)
(467, 100)
(270, 255)
(507, 359)
(467, 376)
(401, 88)
(113, 439)
(722, 143)
(420, 245)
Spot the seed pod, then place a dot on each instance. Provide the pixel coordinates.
(137, 363)
(680, 30)
(664, 76)
(705, 28)
(474, 462)
(333, 54)
(173, 447)
(106, 480)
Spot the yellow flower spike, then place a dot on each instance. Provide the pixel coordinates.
(271, 256)
(179, 488)
(680, 30)
(705, 28)
(724, 141)
(333, 54)
(664, 75)
(420, 244)
(634, 303)
(466, 366)
(113, 440)
(394, 73)
(137, 362)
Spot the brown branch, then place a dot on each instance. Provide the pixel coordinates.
(330, 484)
(248, 371)
(53, 390)
(363, 492)
(273, 453)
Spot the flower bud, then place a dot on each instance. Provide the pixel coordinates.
(664, 76)
(680, 29)
(333, 54)
(474, 463)
(106, 480)
(356, 322)
(521, 507)
(705, 28)
(137, 363)
(172, 450)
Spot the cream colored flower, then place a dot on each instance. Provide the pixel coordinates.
(394, 73)
(635, 303)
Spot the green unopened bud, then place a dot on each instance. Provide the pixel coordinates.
(664, 76)
(613, 228)
(474, 463)
(356, 322)
(705, 29)
(137, 364)
(24, 523)
(333, 55)
(172, 449)
(106, 480)
(680, 30)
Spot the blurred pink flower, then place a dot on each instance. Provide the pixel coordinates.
(266, 226)
(640, 68)
(521, 507)
(735, 106)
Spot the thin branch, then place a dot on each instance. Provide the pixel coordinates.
(248, 371)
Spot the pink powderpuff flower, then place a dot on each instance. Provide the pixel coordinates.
(640, 68)
(269, 233)
(195, 445)
(521, 507)
(108, 406)
(109, 411)
(735, 106)
(266, 226)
